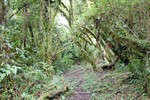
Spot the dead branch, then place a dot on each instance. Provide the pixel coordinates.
(110, 66)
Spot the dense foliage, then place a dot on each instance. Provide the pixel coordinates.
(41, 39)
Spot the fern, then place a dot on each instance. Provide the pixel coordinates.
(8, 70)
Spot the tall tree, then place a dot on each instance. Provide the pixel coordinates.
(3, 11)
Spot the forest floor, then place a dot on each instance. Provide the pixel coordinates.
(84, 84)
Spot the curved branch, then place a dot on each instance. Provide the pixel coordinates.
(21, 7)
(64, 6)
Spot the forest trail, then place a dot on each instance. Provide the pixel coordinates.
(84, 84)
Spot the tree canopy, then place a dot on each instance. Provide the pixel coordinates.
(40, 40)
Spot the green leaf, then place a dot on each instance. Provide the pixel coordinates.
(2, 76)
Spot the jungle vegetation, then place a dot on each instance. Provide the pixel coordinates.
(41, 39)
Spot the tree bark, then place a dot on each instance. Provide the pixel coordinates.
(3, 12)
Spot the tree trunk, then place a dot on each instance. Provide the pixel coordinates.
(3, 12)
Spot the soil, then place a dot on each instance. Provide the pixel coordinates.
(84, 84)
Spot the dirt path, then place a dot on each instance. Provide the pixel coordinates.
(84, 84)
(77, 78)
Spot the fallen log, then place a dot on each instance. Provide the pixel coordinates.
(53, 94)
